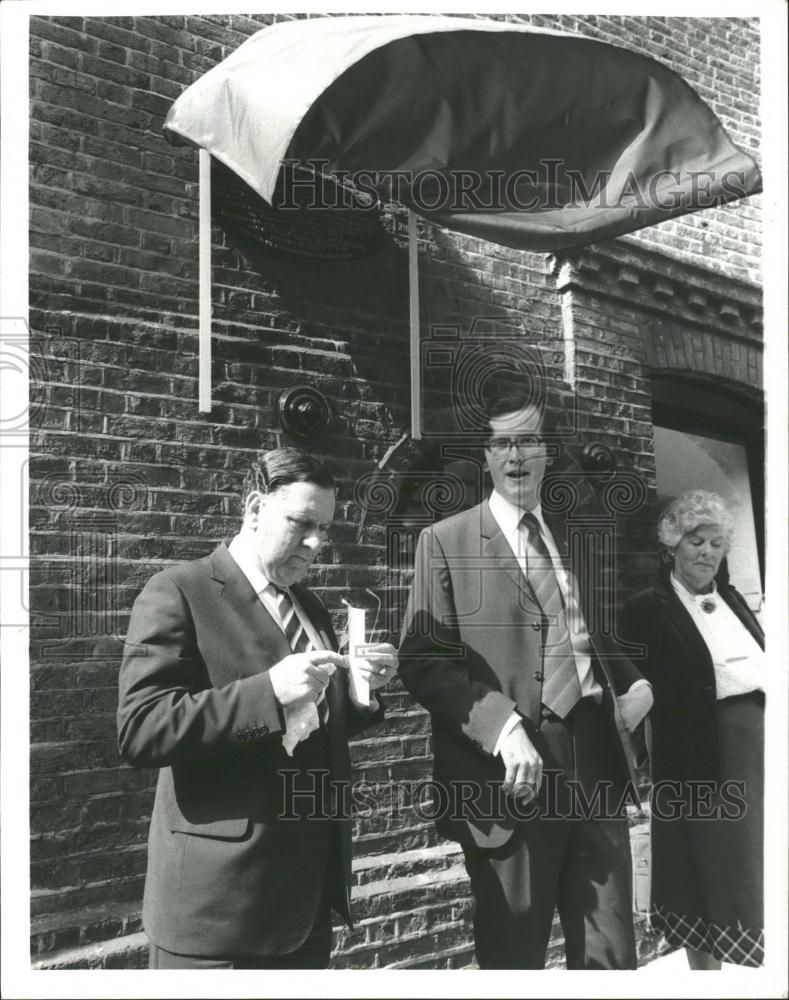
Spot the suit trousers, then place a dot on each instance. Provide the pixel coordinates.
(571, 853)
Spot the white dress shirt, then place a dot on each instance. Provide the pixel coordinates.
(260, 582)
(508, 516)
(737, 657)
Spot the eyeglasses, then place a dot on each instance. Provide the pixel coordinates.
(523, 443)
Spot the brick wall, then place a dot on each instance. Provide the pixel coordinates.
(719, 58)
(127, 477)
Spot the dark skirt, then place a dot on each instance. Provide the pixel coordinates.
(707, 882)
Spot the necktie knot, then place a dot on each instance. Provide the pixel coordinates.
(530, 522)
(294, 632)
(534, 534)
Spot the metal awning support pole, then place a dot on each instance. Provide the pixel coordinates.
(413, 287)
(204, 322)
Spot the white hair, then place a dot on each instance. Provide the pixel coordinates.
(690, 510)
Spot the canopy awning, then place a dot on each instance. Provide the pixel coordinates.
(535, 139)
(572, 140)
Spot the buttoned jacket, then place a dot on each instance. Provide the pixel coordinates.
(472, 652)
(236, 864)
(678, 664)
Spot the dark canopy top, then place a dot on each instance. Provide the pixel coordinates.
(535, 139)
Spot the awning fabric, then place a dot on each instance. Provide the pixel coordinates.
(535, 139)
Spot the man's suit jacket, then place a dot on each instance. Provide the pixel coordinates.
(227, 873)
(471, 653)
(679, 666)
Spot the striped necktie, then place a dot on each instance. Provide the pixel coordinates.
(561, 688)
(298, 640)
(295, 633)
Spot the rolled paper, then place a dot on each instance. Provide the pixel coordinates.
(360, 687)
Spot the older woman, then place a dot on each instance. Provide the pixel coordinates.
(704, 653)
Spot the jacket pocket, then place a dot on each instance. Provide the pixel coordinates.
(207, 803)
(222, 829)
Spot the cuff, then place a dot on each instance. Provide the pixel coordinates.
(507, 728)
(259, 715)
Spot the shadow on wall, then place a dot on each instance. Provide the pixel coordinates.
(288, 273)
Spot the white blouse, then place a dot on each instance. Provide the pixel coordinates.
(737, 657)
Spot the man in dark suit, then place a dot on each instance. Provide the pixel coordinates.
(530, 713)
(232, 685)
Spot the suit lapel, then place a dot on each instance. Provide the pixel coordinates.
(496, 548)
(682, 621)
(578, 569)
(737, 603)
(558, 528)
(234, 588)
(579, 579)
(578, 566)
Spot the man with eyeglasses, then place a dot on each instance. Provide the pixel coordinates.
(530, 714)
(232, 685)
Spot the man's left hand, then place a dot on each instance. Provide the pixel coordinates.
(378, 665)
(634, 705)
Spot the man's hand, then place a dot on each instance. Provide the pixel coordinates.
(522, 763)
(634, 705)
(302, 677)
(378, 665)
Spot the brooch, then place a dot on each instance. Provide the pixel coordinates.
(708, 605)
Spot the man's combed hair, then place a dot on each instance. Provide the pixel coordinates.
(505, 398)
(272, 470)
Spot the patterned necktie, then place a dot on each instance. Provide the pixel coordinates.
(295, 633)
(298, 640)
(561, 688)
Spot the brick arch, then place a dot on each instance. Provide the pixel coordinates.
(750, 397)
(724, 407)
(710, 353)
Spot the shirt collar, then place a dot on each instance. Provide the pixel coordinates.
(509, 515)
(240, 554)
(688, 595)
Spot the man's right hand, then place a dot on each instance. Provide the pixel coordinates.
(522, 763)
(302, 677)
